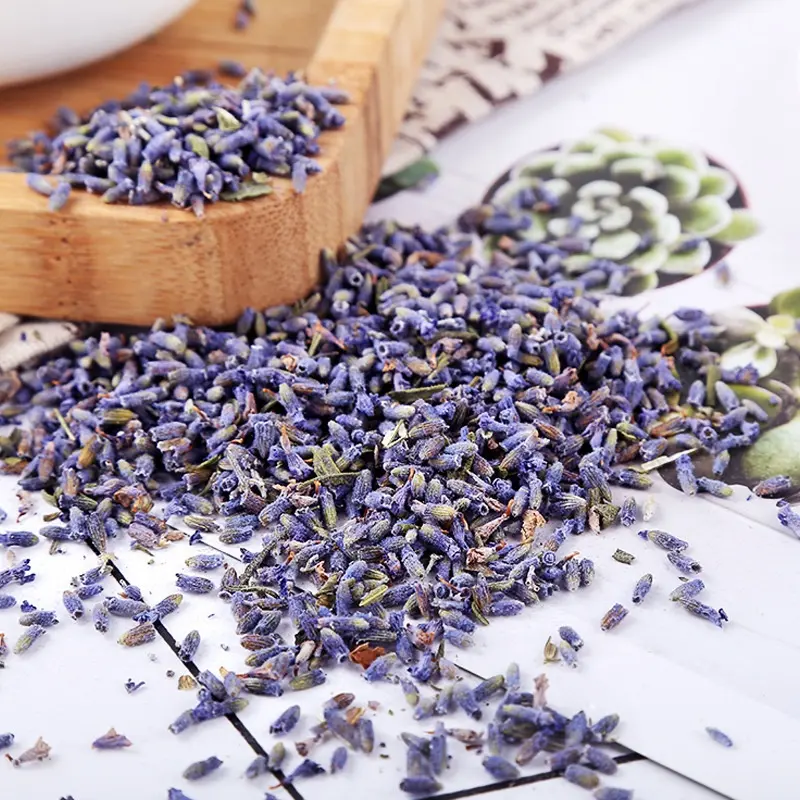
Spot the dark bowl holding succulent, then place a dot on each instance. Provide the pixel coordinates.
(768, 339)
(663, 211)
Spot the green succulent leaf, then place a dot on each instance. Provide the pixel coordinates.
(617, 134)
(599, 188)
(787, 302)
(587, 210)
(577, 263)
(689, 262)
(578, 166)
(537, 231)
(738, 322)
(742, 226)
(681, 156)
(623, 150)
(705, 216)
(651, 260)
(538, 165)
(770, 337)
(643, 169)
(718, 181)
(775, 453)
(615, 246)
(767, 400)
(668, 229)
(679, 184)
(616, 220)
(647, 200)
(640, 282)
(558, 186)
(589, 143)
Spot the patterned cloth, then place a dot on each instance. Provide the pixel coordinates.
(490, 52)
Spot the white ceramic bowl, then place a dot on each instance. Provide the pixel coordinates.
(43, 37)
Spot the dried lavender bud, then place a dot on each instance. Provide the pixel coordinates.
(189, 646)
(719, 737)
(684, 469)
(789, 519)
(214, 685)
(205, 562)
(199, 769)
(338, 760)
(18, 539)
(687, 590)
(89, 591)
(571, 637)
(141, 634)
(100, 618)
(420, 784)
(599, 760)
(499, 768)
(306, 769)
(124, 607)
(665, 540)
(581, 776)
(286, 721)
(194, 584)
(568, 655)
(623, 557)
(612, 793)
(613, 617)
(7, 601)
(258, 766)
(44, 618)
(307, 681)
(684, 564)
(628, 512)
(717, 617)
(643, 586)
(111, 741)
(73, 604)
(132, 686)
(177, 794)
(25, 641)
(6, 740)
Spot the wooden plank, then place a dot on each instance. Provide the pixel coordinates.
(132, 265)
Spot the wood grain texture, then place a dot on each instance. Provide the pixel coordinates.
(132, 265)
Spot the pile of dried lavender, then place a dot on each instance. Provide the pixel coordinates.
(399, 439)
(192, 142)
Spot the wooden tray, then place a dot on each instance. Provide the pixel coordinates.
(126, 264)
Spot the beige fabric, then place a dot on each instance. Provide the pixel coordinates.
(489, 52)
(20, 343)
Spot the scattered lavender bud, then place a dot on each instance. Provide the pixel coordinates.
(60, 195)
(612, 793)
(189, 646)
(124, 607)
(599, 760)
(420, 784)
(500, 769)
(613, 617)
(568, 655)
(143, 633)
(687, 590)
(789, 519)
(719, 737)
(338, 760)
(258, 766)
(714, 488)
(581, 776)
(89, 591)
(571, 637)
(6, 740)
(306, 769)
(200, 769)
(205, 562)
(7, 601)
(716, 616)
(132, 686)
(623, 557)
(666, 541)
(27, 639)
(100, 618)
(111, 741)
(286, 721)
(177, 794)
(194, 584)
(642, 588)
(684, 564)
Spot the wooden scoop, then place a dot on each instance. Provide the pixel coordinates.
(132, 264)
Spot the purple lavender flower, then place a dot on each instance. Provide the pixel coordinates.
(613, 617)
(199, 769)
(642, 588)
(719, 737)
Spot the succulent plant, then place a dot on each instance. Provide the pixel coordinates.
(656, 208)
